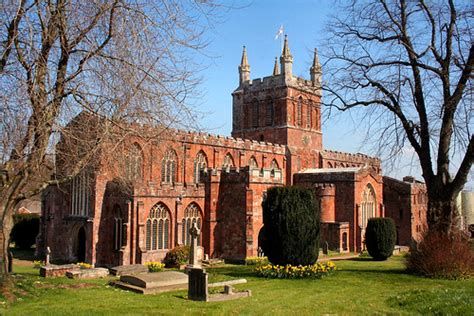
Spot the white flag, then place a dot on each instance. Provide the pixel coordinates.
(279, 33)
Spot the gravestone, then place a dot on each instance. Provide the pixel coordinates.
(194, 231)
(228, 290)
(325, 248)
(198, 285)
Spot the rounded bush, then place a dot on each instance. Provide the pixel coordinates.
(176, 256)
(25, 230)
(291, 226)
(380, 237)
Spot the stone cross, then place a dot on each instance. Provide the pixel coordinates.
(194, 231)
(48, 253)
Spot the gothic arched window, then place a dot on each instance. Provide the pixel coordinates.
(81, 194)
(269, 114)
(191, 215)
(134, 163)
(367, 208)
(168, 167)
(118, 228)
(200, 164)
(157, 228)
(299, 112)
(228, 162)
(308, 116)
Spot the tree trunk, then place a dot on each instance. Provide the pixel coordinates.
(7, 225)
(8, 201)
(442, 211)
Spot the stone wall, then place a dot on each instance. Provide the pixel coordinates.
(406, 203)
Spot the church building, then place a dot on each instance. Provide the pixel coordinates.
(218, 182)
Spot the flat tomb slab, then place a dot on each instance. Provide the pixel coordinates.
(146, 291)
(128, 269)
(53, 270)
(156, 279)
(88, 273)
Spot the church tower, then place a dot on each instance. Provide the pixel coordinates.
(281, 109)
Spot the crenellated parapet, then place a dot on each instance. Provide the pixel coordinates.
(244, 175)
(207, 139)
(259, 85)
(337, 159)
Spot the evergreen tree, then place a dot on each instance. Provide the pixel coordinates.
(380, 237)
(291, 226)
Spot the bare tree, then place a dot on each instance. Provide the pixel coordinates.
(409, 65)
(122, 64)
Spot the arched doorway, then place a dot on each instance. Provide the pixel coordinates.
(81, 245)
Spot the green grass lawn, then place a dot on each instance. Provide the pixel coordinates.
(360, 287)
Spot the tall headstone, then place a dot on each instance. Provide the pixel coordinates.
(194, 231)
(198, 285)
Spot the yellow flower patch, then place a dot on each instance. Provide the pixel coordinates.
(155, 266)
(315, 271)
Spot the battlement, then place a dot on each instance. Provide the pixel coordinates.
(223, 141)
(279, 81)
(244, 175)
(350, 159)
(325, 189)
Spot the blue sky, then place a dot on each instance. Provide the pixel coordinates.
(255, 26)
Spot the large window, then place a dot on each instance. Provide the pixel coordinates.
(200, 165)
(191, 215)
(367, 209)
(269, 114)
(134, 163)
(308, 116)
(299, 112)
(168, 167)
(81, 194)
(158, 228)
(119, 235)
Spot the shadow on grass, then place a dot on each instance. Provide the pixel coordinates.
(379, 271)
(181, 296)
(236, 272)
(362, 259)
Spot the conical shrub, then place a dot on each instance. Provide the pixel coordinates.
(380, 237)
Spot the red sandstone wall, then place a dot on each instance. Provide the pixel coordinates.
(406, 204)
